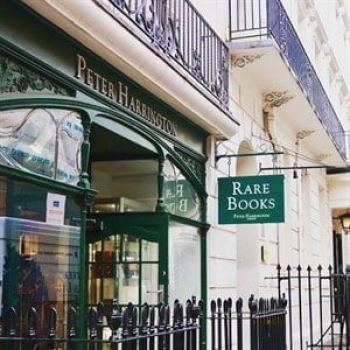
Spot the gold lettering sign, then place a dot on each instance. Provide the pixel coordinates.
(121, 94)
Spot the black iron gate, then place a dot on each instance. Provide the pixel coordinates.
(318, 307)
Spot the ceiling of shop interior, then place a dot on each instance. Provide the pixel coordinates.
(119, 156)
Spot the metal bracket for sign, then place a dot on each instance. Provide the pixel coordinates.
(295, 168)
(218, 157)
(229, 156)
(299, 167)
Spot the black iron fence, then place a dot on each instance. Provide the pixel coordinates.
(147, 328)
(262, 326)
(318, 307)
(153, 327)
(316, 316)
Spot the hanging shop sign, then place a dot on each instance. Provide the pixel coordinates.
(251, 199)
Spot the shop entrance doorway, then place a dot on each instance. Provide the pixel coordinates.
(126, 234)
(126, 259)
(145, 218)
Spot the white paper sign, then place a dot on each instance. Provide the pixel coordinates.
(55, 206)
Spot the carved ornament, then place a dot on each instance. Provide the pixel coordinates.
(240, 61)
(301, 135)
(17, 78)
(276, 98)
(196, 166)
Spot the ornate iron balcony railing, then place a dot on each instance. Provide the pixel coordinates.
(180, 33)
(260, 19)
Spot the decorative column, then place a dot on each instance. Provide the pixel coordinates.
(160, 201)
(85, 206)
(85, 154)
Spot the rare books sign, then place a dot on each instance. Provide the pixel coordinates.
(251, 199)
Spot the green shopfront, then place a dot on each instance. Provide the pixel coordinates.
(101, 183)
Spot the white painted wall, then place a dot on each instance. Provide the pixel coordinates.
(235, 266)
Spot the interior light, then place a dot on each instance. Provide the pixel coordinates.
(345, 222)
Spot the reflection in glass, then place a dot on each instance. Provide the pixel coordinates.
(151, 293)
(39, 266)
(180, 196)
(184, 261)
(123, 267)
(43, 141)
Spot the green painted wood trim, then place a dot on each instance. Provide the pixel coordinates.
(84, 181)
(75, 85)
(148, 225)
(83, 285)
(93, 110)
(152, 226)
(189, 222)
(34, 63)
(160, 202)
(45, 182)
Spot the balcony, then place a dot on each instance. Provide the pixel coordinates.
(164, 46)
(264, 26)
(176, 30)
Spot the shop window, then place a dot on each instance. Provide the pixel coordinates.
(39, 268)
(22, 200)
(43, 141)
(39, 253)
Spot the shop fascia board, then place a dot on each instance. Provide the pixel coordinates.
(87, 23)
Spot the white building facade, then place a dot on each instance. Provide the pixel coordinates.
(287, 126)
(235, 88)
(289, 89)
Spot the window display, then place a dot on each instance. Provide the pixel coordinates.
(39, 266)
(43, 141)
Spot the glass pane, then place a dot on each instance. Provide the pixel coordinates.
(130, 270)
(125, 268)
(70, 138)
(129, 283)
(103, 258)
(39, 266)
(149, 251)
(22, 200)
(180, 197)
(43, 141)
(184, 262)
(151, 293)
(130, 249)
